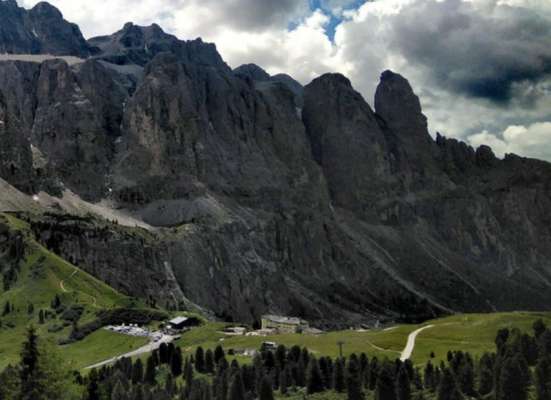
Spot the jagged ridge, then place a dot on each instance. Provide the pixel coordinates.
(267, 196)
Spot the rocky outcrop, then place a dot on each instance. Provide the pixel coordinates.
(40, 30)
(264, 196)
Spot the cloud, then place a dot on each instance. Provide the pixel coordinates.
(530, 141)
(100, 17)
(481, 50)
(477, 65)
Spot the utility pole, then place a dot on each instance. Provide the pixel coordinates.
(340, 343)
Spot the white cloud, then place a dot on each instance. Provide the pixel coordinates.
(438, 45)
(530, 141)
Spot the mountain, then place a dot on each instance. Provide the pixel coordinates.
(172, 177)
(40, 30)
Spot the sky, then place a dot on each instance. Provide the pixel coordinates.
(482, 68)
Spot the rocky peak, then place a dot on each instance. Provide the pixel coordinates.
(41, 30)
(45, 10)
(252, 71)
(347, 142)
(398, 105)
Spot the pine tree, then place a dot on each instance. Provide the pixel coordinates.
(163, 353)
(236, 391)
(137, 372)
(188, 372)
(514, 379)
(119, 392)
(7, 309)
(176, 362)
(92, 389)
(200, 359)
(384, 387)
(300, 375)
(149, 377)
(284, 378)
(266, 390)
(41, 317)
(56, 302)
(30, 374)
(403, 385)
(170, 386)
(539, 327)
(448, 390)
(544, 342)
(353, 380)
(543, 379)
(339, 383)
(485, 374)
(373, 373)
(465, 378)
(314, 380)
(30, 308)
(218, 354)
(209, 361)
(281, 356)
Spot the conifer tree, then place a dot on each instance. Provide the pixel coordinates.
(514, 379)
(539, 327)
(218, 354)
(485, 374)
(236, 391)
(137, 372)
(92, 389)
(339, 383)
(353, 380)
(209, 361)
(176, 362)
(266, 390)
(448, 390)
(30, 374)
(373, 373)
(314, 380)
(284, 378)
(7, 309)
(543, 379)
(200, 359)
(119, 392)
(384, 387)
(403, 385)
(150, 373)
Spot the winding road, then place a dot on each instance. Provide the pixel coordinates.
(410, 345)
(148, 348)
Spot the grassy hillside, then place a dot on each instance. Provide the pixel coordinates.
(42, 275)
(469, 332)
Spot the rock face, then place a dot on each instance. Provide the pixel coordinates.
(267, 196)
(41, 30)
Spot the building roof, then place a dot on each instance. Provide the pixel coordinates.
(284, 320)
(178, 320)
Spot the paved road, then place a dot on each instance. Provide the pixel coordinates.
(410, 345)
(148, 348)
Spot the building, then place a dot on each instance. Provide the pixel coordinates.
(284, 324)
(180, 323)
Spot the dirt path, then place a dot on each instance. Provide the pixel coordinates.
(148, 348)
(381, 349)
(62, 287)
(410, 345)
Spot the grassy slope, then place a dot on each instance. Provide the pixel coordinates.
(39, 281)
(470, 332)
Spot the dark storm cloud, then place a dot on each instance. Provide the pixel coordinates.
(482, 53)
(259, 14)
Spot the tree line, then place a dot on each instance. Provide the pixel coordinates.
(520, 364)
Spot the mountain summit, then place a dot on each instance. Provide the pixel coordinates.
(243, 193)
